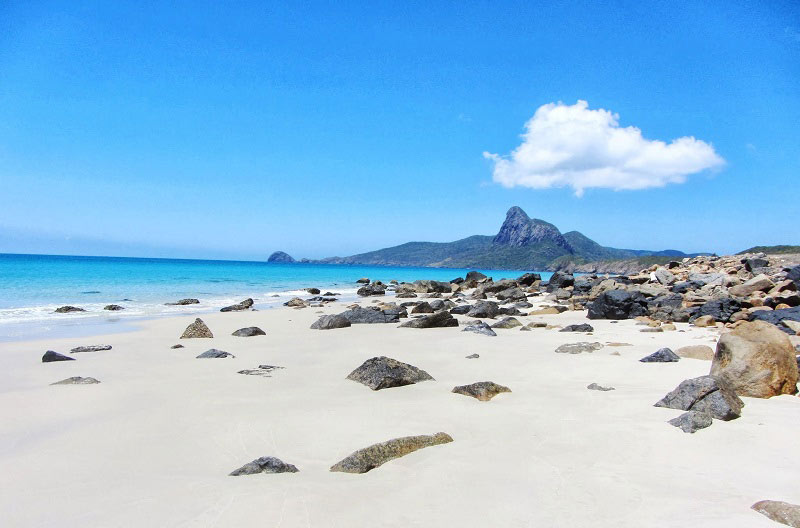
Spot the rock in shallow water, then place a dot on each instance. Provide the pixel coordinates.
(691, 421)
(214, 353)
(51, 356)
(264, 465)
(481, 390)
(383, 372)
(197, 329)
(238, 307)
(184, 302)
(69, 309)
(90, 348)
(778, 511)
(76, 380)
(113, 307)
(250, 331)
(662, 355)
(479, 327)
(705, 394)
(577, 348)
(376, 455)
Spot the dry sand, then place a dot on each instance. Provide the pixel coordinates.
(153, 443)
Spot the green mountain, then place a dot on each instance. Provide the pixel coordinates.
(522, 243)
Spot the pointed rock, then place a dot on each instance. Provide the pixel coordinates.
(51, 356)
(481, 390)
(705, 394)
(196, 330)
(662, 355)
(479, 327)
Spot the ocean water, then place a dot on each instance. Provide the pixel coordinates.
(33, 286)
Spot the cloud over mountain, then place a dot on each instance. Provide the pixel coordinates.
(571, 145)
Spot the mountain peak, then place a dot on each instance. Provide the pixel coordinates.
(520, 230)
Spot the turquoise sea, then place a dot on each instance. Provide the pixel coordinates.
(33, 286)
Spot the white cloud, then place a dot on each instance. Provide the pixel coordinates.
(571, 145)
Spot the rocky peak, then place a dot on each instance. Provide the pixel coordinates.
(520, 230)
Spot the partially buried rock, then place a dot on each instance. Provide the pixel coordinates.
(197, 329)
(376, 455)
(250, 331)
(176, 346)
(69, 309)
(662, 355)
(473, 356)
(705, 394)
(262, 370)
(782, 512)
(238, 307)
(507, 323)
(184, 302)
(438, 320)
(691, 421)
(577, 348)
(479, 327)
(264, 465)
(481, 390)
(214, 353)
(113, 307)
(595, 386)
(76, 380)
(90, 348)
(330, 322)
(585, 327)
(383, 373)
(51, 356)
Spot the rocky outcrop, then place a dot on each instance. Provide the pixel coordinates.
(77, 380)
(481, 390)
(437, 320)
(519, 230)
(330, 322)
(691, 421)
(238, 307)
(213, 353)
(280, 256)
(90, 348)
(383, 373)
(250, 331)
(778, 511)
(197, 329)
(264, 465)
(756, 359)
(376, 455)
(50, 356)
(662, 355)
(705, 394)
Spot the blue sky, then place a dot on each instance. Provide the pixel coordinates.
(229, 131)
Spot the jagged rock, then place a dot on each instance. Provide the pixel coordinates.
(383, 372)
(720, 309)
(368, 290)
(617, 304)
(481, 390)
(752, 264)
(559, 280)
(76, 380)
(51, 356)
(197, 329)
(506, 323)
(90, 348)
(664, 277)
(69, 309)
(238, 307)
(296, 302)
(775, 317)
(511, 294)
(113, 307)
(778, 511)
(184, 302)
(705, 394)
(371, 315)
(214, 353)
(250, 331)
(585, 327)
(691, 421)
(437, 320)
(662, 355)
(696, 352)
(577, 348)
(756, 359)
(595, 386)
(262, 370)
(376, 455)
(330, 322)
(280, 256)
(264, 465)
(422, 307)
(484, 309)
(473, 356)
(479, 327)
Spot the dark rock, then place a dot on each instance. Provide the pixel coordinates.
(313, 291)
(90, 348)
(481, 390)
(577, 348)
(529, 278)
(475, 276)
(51, 356)
(617, 304)
(794, 276)
(511, 294)
(507, 323)
(437, 320)
(371, 315)
(778, 511)
(363, 280)
(76, 380)
(372, 289)
(755, 263)
(560, 280)
(685, 287)
(479, 327)
(176, 346)
(519, 230)
(461, 310)
(457, 280)
(720, 309)
(69, 309)
(330, 322)
(509, 310)
(667, 308)
(662, 355)
(376, 455)
(585, 327)
(705, 394)
(214, 353)
(264, 465)
(238, 307)
(280, 256)
(383, 373)
(197, 329)
(473, 356)
(484, 309)
(691, 421)
(184, 302)
(422, 307)
(583, 285)
(496, 287)
(113, 307)
(776, 316)
(595, 386)
(250, 331)
(406, 295)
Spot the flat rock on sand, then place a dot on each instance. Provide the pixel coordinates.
(90, 348)
(577, 348)
(481, 390)
(264, 465)
(250, 331)
(197, 329)
(331, 322)
(383, 372)
(438, 320)
(691, 421)
(778, 511)
(76, 380)
(705, 394)
(595, 386)
(376, 455)
(214, 353)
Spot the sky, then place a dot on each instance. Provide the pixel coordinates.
(235, 129)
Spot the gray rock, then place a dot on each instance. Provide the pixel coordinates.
(280, 256)
(296, 302)
(383, 373)
(511, 294)
(484, 309)
(376, 455)
(475, 276)
(585, 327)
(330, 322)
(778, 511)
(376, 288)
(90, 348)
(422, 307)
(69, 309)
(777, 316)
(184, 302)
(437, 320)
(479, 327)
(662, 355)
(665, 277)
(595, 386)
(113, 307)
(506, 323)
(363, 280)
(371, 315)
(214, 353)
(617, 304)
(705, 394)
(577, 348)
(76, 380)
(250, 331)
(238, 307)
(313, 291)
(197, 329)
(473, 356)
(481, 390)
(691, 421)
(461, 310)
(264, 465)
(262, 370)
(51, 356)
(177, 346)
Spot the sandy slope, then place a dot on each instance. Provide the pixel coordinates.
(153, 443)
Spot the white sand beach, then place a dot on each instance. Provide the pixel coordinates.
(153, 443)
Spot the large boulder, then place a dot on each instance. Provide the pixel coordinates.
(777, 316)
(375, 288)
(706, 394)
(719, 309)
(383, 373)
(369, 458)
(437, 320)
(618, 304)
(756, 359)
(50, 356)
(481, 390)
(560, 279)
(794, 276)
(371, 315)
(529, 278)
(753, 264)
(704, 352)
(264, 465)
(664, 276)
(475, 276)
(511, 294)
(484, 309)
(238, 307)
(778, 511)
(757, 283)
(197, 329)
(330, 322)
(422, 307)
(507, 323)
